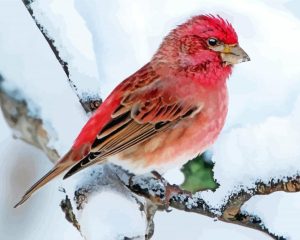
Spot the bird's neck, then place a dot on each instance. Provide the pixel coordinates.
(207, 74)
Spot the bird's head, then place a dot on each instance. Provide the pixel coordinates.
(203, 44)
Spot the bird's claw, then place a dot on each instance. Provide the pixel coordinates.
(170, 191)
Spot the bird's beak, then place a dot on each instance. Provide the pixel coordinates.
(234, 54)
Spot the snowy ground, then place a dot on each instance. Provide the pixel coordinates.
(106, 41)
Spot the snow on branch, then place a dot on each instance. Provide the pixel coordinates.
(25, 125)
(231, 211)
(89, 103)
(50, 41)
(30, 129)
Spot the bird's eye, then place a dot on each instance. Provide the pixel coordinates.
(212, 42)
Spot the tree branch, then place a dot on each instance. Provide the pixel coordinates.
(231, 212)
(30, 129)
(89, 104)
(26, 126)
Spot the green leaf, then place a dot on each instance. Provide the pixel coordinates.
(198, 174)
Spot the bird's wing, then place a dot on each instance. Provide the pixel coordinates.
(141, 114)
(137, 110)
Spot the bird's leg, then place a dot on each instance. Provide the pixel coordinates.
(170, 190)
(158, 176)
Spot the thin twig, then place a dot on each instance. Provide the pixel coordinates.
(89, 104)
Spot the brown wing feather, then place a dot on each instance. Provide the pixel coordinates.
(122, 133)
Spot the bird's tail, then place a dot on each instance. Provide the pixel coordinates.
(60, 167)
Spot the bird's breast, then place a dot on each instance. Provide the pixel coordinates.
(187, 139)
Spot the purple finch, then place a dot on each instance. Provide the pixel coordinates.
(166, 113)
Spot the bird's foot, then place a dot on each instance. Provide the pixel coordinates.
(170, 190)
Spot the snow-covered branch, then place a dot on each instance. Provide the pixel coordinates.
(89, 103)
(26, 126)
(30, 129)
(231, 211)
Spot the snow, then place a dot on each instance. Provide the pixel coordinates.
(278, 211)
(5, 133)
(174, 176)
(39, 74)
(106, 41)
(124, 219)
(72, 40)
(17, 94)
(181, 225)
(20, 166)
(250, 152)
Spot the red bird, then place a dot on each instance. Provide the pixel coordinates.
(166, 113)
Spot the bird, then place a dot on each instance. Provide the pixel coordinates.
(166, 113)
